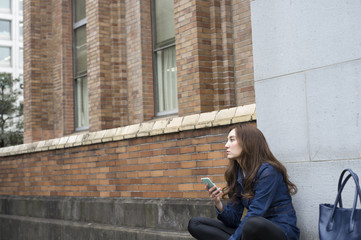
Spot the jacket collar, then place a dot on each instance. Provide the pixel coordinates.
(240, 178)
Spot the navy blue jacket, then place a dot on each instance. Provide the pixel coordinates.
(271, 201)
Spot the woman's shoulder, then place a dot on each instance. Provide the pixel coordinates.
(267, 169)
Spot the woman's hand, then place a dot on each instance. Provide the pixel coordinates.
(215, 194)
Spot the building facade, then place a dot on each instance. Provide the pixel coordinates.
(115, 63)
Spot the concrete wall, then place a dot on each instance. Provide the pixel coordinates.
(307, 66)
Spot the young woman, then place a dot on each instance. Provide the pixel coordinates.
(256, 181)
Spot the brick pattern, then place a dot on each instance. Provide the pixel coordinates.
(38, 111)
(48, 105)
(243, 54)
(139, 61)
(194, 66)
(161, 166)
(222, 54)
(204, 55)
(62, 68)
(106, 65)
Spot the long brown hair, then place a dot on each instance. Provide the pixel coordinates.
(255, 151)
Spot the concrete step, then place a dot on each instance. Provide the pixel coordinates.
(29, 228)
(168, 214)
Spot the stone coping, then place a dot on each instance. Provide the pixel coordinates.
(228, 116)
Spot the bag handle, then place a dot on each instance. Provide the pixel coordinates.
(357, 194)
(340, 183)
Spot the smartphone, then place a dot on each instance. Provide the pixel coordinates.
(207, 180)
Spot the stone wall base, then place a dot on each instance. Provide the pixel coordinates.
(63, 218)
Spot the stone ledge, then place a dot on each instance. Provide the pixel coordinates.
(146, 213)
(228, 116)
(50, 229)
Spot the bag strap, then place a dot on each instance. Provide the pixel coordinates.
(341, 180)
(357, 194)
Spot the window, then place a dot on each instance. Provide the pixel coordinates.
(21, 57)
(21, 31)
(5, 28)
(80, 66)
(21, 2)
(5, 6)
(21, 78)
(5, 57)
(165, 69)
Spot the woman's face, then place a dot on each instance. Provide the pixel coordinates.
(233, 148)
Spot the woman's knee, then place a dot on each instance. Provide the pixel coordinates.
(193, 223)
(252, 225)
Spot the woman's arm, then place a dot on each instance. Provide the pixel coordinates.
(231, 214)
(264, 191)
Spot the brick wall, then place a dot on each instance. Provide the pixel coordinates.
(38, 95)
(139, 61)
(61, 68)
(162, 159)
(243, 53)
(106, 64)
(164, 166)
(213, 55)
(204, 55)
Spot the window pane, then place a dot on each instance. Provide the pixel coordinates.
(80, 51)
(21, 57)
(5, 56)
(82, 102)
(21, 2)
(79, 10)
(5, 27)
(164, 22)
(5, 5)
(167, 80)
(21, 30)
(21, 78)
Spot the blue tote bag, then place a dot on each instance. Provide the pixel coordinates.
(337, 222)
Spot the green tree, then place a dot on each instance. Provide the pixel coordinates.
(11, 112)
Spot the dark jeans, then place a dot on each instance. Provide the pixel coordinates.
(255, 228)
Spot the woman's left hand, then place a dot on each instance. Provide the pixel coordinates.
(215, 194)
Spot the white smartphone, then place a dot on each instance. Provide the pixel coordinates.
(207, 180)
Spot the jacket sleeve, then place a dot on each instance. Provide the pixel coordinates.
(231, 214)
(264, 192)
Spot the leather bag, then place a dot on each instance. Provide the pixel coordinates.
(337, 222)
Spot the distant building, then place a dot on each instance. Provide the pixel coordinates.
(11, 38)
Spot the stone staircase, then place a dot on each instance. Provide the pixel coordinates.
(65, 218)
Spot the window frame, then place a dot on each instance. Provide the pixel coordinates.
(75, 26)
(155, 50)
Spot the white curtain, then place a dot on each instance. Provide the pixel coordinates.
(167, 80)
(82, 102)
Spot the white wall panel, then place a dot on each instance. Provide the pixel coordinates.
(334, 107)
(291, 36)
(282, 116)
